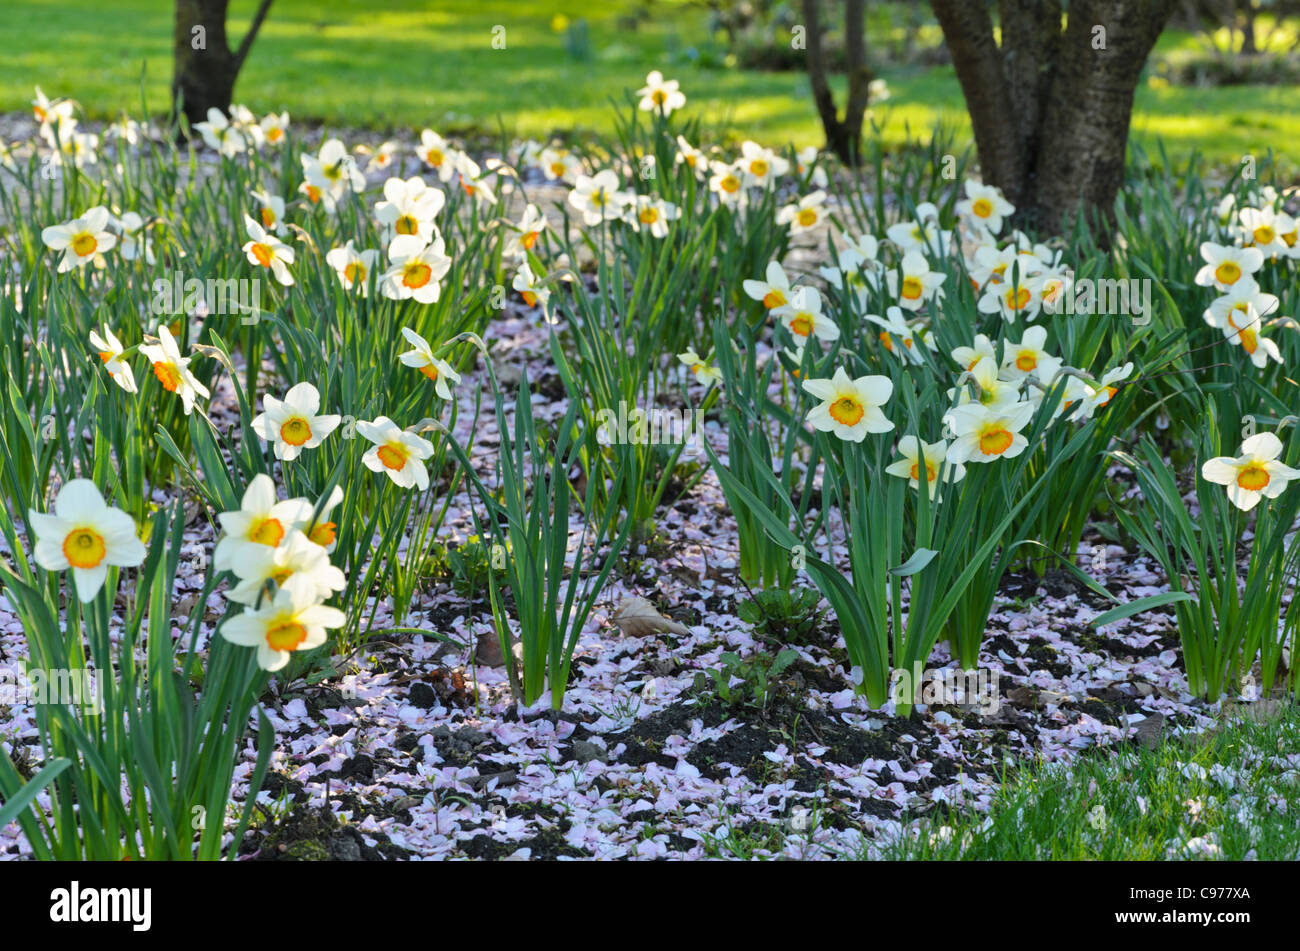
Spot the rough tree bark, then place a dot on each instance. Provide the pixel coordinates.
(843, 136)
(1050, 108)
(204, 68)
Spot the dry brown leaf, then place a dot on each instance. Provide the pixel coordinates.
(639, 618)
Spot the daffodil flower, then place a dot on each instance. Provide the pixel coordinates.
(709, 376)
(987, 433)
(774, 291)
(804, 215)
(728, 183)
(410, 207)
(266, 250)
(524, 238)
(296, 557)
(1028, 358)
(914, 283)
(172, 370)
(219, 134)
(80, 239)
(597, 197)
(984, 205)
(761, 166)
(292, 621)
(802, 316)
(930, 455)
(1225, 265)
(293, 424)
(112, 353)
(398, 454)
(270, 209)
(437, 154)
(416, 269)
(1255, 474)
(525, 282)
(652, 214)
(660, 95)
(850, 408)
(259, 520)
(85, 535)
(352, 266)
(421, 357)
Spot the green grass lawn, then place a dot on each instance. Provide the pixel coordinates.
(410, 66)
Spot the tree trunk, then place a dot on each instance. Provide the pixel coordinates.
(843, 136)
(204, 67)
(1050, 109)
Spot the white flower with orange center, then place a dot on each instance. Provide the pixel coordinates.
(896, 335)
(410, 207)
(268, 251)
(1243, 329)
(1263, 228)
(526, 233)
(660, 95)
(113, 355)
(85, 535)
(761, 166)
(597, 197)
(259, 520)
(1255, 474)
(80, 239)
(333, 171)
(381, 158)
(1029, 358)
(296, 557)
(1099, 396)
(47, 111)
(294, 423)
(806, 161)
(1232, 309)
(805, 214)
(322, 531)
(1225, 265)
(270, 211)
(560, 165)
(967, 357)
(994, 388)
(652, 214)
(987, 433)
(275, 128)
(925, 460)
(1011, 299)
(803, 317)
(474, 182)
(421, 357)
(985, 206)
(220, 134)
(728, 183)
(172, 370)
(526, 283)
(707, 375)
(692, 158)
(352, 266)
(914, 283)
(398, 454)
(850, 408)
(292, 621)
(415, 269)
(774, 291)
(437, 154)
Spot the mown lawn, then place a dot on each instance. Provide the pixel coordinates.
(411, 66)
